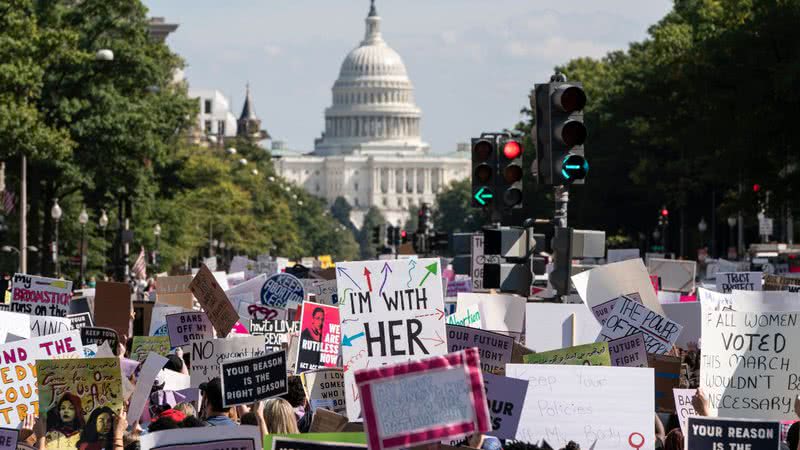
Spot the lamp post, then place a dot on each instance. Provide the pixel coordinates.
(157, 234)
(83, 219)
(10, 249)
(103, 222)
(55, 213)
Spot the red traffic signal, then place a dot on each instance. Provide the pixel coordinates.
(664, 212)
(512, 150)
(756, 187)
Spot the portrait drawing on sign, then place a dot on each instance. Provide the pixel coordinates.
(65, 422)
(313, 334)
(98, 434)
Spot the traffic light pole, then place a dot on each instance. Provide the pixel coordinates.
(561, 195)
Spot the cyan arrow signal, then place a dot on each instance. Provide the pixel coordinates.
(482, 195)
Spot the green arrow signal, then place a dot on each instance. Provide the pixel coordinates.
(482, 195)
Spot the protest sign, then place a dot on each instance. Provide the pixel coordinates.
(18, 362)
(142, 345)
(188, 326)
(683, 405)
(501, 313)
(764, 301)
(506, 397)
(143, 313)
(550, 326)
(675, 275)
(478, 259)
(79, 305)
(79, 400)
(688, 315)
(144, 384)
(391, 311)
(214, 301)
(80, 320)
(781, 283)
(447, 400)
(242, 437)
(174, 291)
(713, 301)
(325, 292)
(326, 421)
(628, 317)
(158, 319)
(711, 433)
(747, 368)
(325, 387)
(667, 377)
(44, 325)
(40, 296)
(628, 351)
(249, 380)
(604, 283)
(341, 437)
(281, 443)
(743, 281)
(494, 349)
(595, 354)
(605, 407)
(461, 283)
(97, 335)
(282, 290)
(8, 438)
(621, 254)
(469, 317)
(112, 307)
(207, 355)
(320, 337)
(276, 332)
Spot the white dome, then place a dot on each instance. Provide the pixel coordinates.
(372, 61)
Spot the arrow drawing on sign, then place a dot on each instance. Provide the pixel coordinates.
(431, 268)
(438, 312)
(385, 271)
(343, 271)
(367, 273)
(411, 265)
(438, 339)
(346, 341)
(350, 320)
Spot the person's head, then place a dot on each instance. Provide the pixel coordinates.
(793, 435)
(162, 423)
(191, 422)
(674, 440)
(572, 445)
(99, 426)
(317, 318)
(174, 363)
(279, 416)
(295, 394)
(67, 412)
(187, 409)
(212, 392)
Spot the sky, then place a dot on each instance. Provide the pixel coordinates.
(472, 62)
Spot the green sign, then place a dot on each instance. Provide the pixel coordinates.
(595, 354)
(350, 438)
(483, 195)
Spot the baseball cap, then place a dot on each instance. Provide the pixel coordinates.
(213, 392)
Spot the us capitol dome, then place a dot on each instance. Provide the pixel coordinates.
(371, 151)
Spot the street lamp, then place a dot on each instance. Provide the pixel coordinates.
(83, 219)
(103, 222)
(157, 234)
(55, 213)
(104, 55)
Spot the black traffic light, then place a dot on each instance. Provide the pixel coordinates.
(560, 132)
(376, 235)
(509, 182)
(424, 219)
(562, 260)
(390, 234)
(484, 171)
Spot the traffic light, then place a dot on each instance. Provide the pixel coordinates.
(376, 235)
(560, 133)
(562, 260)
(403, 237)
(484, 171)
(424, 219)
(509, 183)
(390, 234)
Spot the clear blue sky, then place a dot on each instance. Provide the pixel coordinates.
(472, 62)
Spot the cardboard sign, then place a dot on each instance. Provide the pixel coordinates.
(112, 307)
(675, 275)
(469, 317)
(281, 443)
(8, 438)
(209, 353)
(44, 325)
(622, 254)
(325, 438)
(325, 388)
(447, 400)
(144, 384)
(478, 260)
(18, 361)
(551, 326)
(174, 291)
(628, 317)
(595, 354)
(779, 283)
(325, 292)
(80, 320)
(748, 368)
(320, 337)
(711, 433)
(506, 397)
(79, 400)
(276, 332)
(494, 349)
(214, 301)
(604, 283)
(628, 351)
(689, 316)
(683, 405)
(325, 421)
(591, 405)
(249, 380)
(97, 335)
(188, 326)
(282, 291)
(143, 345)
(391, 311)
(501, 313)
(40, 296)
(743, 281)
(242, 437)
(668, 374)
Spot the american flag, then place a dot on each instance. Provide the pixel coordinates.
(140, 266)
(9, 200)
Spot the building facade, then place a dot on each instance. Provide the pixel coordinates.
(371, 152)
(215, 119)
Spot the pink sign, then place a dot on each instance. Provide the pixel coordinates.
(688, 298)
(423, 401)
(320, 335)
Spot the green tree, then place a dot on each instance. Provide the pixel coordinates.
(372, 219)
(452, 211)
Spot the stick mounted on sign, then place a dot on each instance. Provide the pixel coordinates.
(572, 319)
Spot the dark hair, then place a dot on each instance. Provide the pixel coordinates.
(191, 422)
(793, 435)
(90, 433)
(54, 418)
(249, 419)
(295, 394)
(163, 423)
(572, 445)
(174, 363)
(316, 310)
(520, 445)
(674, 440)
(213, 394)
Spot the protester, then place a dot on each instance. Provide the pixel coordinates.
(674, 440)
(214, 413)
(279, 416)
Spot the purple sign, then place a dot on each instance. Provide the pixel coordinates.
(628, 351)
(8, 438)
(494, 349)
(505, 397)
(185, 327)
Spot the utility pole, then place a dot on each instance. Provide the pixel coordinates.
(23, 213)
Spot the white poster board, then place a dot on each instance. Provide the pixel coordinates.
(689, 316)
(608, 282)
(743, 281)
(676, 275)
(501, 313)
(240, 437)
(621, 254)
(597, 407)
(549, 326)
(208, 354)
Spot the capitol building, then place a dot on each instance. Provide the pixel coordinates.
(371, 152)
